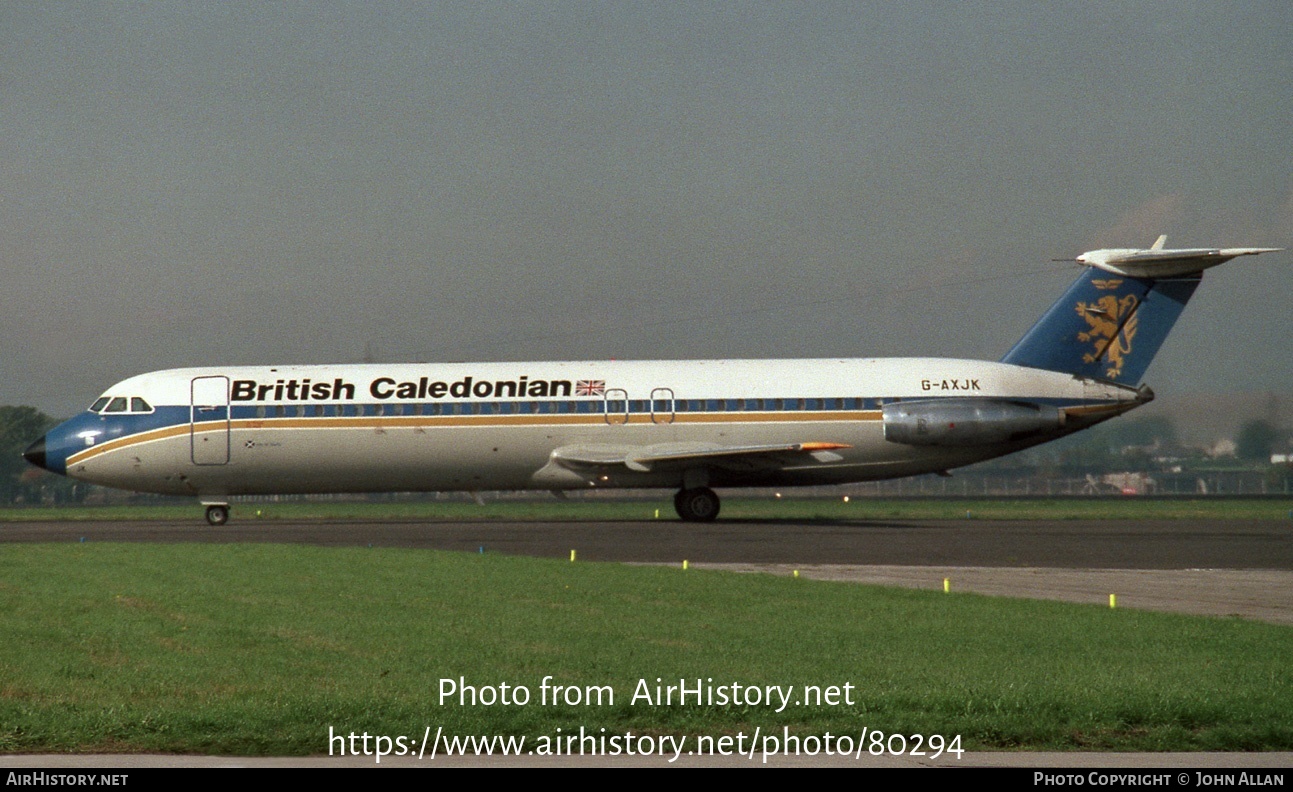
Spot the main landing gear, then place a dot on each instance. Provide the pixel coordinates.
(696, 505)
(217, 514)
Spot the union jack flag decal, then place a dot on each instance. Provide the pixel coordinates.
(590, 388)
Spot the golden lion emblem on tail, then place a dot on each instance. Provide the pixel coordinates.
(1112, 327)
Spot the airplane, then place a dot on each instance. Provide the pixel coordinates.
(688, 425)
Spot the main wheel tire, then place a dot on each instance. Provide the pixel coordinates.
(697, 505)
(217, 515)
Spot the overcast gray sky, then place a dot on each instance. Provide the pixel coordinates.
(204, 183)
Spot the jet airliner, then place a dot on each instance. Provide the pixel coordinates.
(692, 425)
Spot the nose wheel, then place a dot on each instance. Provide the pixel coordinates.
(696, 505)
(218, 514)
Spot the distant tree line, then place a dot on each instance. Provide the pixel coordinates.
(20, 482)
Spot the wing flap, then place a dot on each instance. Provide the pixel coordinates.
(675, 457)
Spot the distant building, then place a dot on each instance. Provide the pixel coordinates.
(1223, 448)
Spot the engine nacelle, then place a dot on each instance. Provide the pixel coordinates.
(967, 422)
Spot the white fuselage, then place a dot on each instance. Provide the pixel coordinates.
(218, 432)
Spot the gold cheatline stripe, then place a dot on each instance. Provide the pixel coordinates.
(425, 421)
(130, 440)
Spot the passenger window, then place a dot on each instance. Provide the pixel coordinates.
(116, 405)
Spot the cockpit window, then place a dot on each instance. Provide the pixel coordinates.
(98, 405)
(117, 405)
(138, 405)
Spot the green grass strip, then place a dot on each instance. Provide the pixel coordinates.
(259, 649)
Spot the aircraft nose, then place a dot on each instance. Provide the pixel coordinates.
(35, 453)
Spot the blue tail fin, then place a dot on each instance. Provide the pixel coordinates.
(1106, 326)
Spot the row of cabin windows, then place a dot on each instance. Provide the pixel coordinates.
(120, 404)
(613, 406)
(135, 404)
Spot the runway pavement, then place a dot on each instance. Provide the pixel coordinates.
(1071, 544)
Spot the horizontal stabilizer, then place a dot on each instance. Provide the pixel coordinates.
(1159, 262)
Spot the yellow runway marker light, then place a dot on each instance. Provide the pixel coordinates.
(947, 585)
(572, 556)
(684, 563)
(1113, 600)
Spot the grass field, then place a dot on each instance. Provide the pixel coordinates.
(259, 649)
(734, 508)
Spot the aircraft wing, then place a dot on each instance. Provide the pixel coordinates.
(675, 457)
